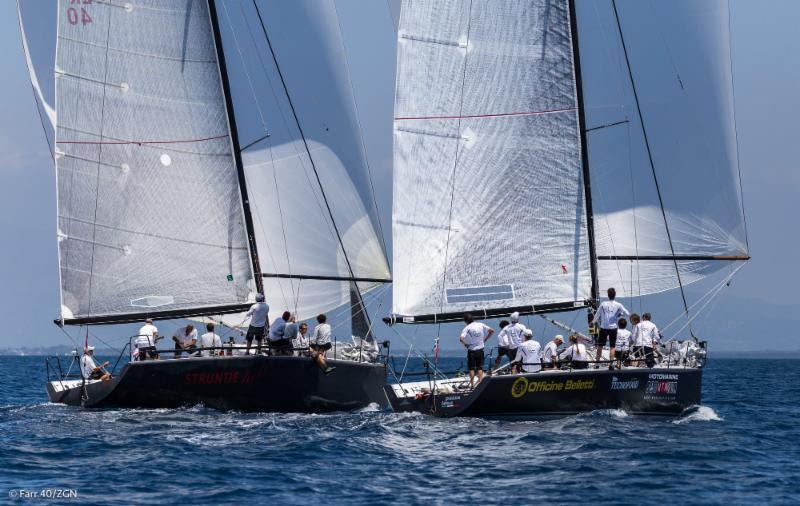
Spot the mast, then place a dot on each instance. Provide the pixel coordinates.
(587, 185)
(237, 153)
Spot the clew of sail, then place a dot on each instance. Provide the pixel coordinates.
(680, 134)
(150, 214)
(489, 212)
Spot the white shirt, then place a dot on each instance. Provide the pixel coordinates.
(147, 336)
(276, 329)
(502, 337)
(184, 339)
(474, 335)
(258, 313)
(645, 333)
(577, 351)
(88, 366)
(210, 340)
(623, 340)
(322, 334)
(550, 352)
(513, 334)
(301, 341)
(529, 355)
(609, 313)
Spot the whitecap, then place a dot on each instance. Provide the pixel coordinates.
(701, 414)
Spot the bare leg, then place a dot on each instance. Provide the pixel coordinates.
(471, 377)
(480, 376)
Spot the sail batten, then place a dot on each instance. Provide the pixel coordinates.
(150, 210)
(489, 210)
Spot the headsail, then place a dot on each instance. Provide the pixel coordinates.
(676, 56)
(489, 213)
(150, 211)
(307, 175)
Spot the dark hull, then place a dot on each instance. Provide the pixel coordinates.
(636, 391)
(255, 383)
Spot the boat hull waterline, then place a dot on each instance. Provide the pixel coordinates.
(248, 383)
(657, 391)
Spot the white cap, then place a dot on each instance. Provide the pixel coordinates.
(515, 316)
(90, 348)
(559, 336)
(528, 332)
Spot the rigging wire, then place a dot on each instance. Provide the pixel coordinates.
(736, 129)
(652, 166)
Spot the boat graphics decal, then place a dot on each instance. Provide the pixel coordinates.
(522, 386)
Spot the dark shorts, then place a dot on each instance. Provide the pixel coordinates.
(256, 333)
(475, 360)
(607, 335)
(147, 352)
(503, 351)
(96, 375)
(645, 352)
(579, 364)
(320, 347)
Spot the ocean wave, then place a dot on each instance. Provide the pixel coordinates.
(701, 414)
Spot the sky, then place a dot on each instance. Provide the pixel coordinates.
(760, 303)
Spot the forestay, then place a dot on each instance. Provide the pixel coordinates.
(680, 66)
(150, 211)
(489, 209)
(307, 175)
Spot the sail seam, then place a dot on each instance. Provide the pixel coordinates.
(489, 115)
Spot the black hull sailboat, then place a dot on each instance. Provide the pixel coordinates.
(241, 383)
(657, 391)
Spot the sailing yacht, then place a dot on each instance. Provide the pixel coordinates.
(544, 151)
(192, 173)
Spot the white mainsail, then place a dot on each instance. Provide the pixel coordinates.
(680, 64)
(489, 205)
(307, 175)
(150, 213)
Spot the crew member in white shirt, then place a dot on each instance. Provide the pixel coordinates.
(259, 319)
(515, 336)
(210, 340)
(185, 340)
(321, 342)
(302, 341)
(609, 312)
(502, 345)
(277, 341)
(576, 352)
(146, 341)
(645, 338)
(529, 356)
(473, 337)
(623, 347)
(550, 353)
(89, 368)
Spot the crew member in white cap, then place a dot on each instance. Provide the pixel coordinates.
(89, 368)
(515, 335)
(146, 341)
(529, 355)
(550, 353)
(259, 319)
(608, 314)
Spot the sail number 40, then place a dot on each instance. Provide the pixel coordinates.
(79, 14)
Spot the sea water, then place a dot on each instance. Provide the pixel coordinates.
(741, 446)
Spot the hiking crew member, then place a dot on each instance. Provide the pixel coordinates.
(89, 368)
(210, 340)
(146, 341)
(515, 333)
(645, 337)
(473, 337)
(550, 353)
(321, 342)
(623, 347)
(529, 356)
(277, 342)
(185, 339)
(502, 345)
(609, 312)
(259, 318)
(576, 352)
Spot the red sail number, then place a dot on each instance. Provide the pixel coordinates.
(72, 16)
